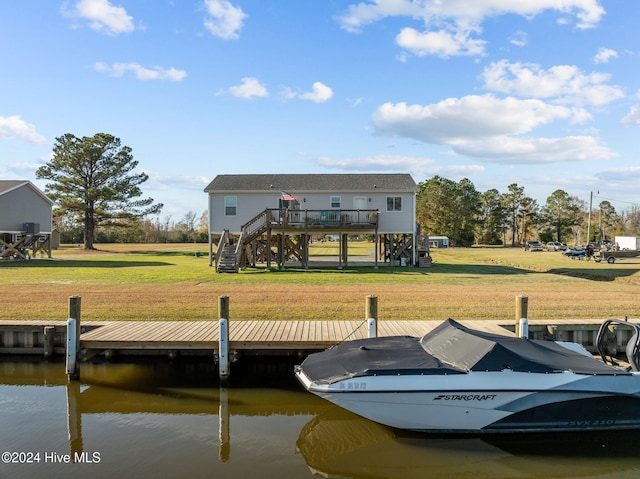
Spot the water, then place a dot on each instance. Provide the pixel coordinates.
(166, 419)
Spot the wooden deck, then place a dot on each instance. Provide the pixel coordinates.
(255, 336)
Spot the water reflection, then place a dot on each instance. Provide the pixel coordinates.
(173, 420)
(161, 418)
(339, 444)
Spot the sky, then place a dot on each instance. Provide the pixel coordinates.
(542, 93)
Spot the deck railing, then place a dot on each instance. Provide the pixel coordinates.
(321, 219)
(256, 225)
(222, 243)
(239, 248)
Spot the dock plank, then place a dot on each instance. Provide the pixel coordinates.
(280, 331)
(240, 329)
(268, 334)
(259, 331)
(293, 331)
(331, 331)
(302, 334)
(347, 331)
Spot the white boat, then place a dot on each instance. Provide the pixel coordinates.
(459, 380)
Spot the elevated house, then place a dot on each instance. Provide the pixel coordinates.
(271, 217)
(26, 221)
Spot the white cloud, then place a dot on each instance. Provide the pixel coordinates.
(319, 93)
(15, 128)
(376, 163)
(224, 20)
(448, 24)
(141, 73)
(628, 173)
(587, 12)
(632, 118)
(363, 13)
(519, 39)
(249, 88)
(490, 129)
(287, 93)
(471, 116)
(564, 84)
(420, 167)
(512, 150)
(604, 55)
(162, 181)
(24, 170)
(105, 17)
(441, 43)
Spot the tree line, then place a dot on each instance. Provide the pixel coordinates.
(191, 228)
(97, 198)
(470, 217)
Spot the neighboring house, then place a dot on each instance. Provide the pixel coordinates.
(248, 207)
(438, 241)
(26, 221)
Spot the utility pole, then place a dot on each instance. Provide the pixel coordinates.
(589, 221)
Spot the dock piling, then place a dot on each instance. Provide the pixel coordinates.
(72, 352)
(371, 315)
(73, 338)
(223, 341)
(49, 337)
(523, 328)
(522, 307)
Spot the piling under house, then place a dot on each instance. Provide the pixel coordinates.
(26, 221)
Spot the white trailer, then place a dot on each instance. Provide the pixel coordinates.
(628, 242)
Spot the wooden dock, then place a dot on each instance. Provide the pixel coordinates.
(250, 337)
(247, 336)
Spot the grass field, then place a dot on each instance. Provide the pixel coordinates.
(146, 282)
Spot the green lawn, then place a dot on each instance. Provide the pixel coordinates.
(172, 282)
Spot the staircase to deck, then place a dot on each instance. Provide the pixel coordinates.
(232, 255)
(229, 256)
(227, 262)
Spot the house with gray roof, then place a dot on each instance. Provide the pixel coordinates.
(270, 209)
(26, 221)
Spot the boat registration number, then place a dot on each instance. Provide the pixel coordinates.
(354, 386)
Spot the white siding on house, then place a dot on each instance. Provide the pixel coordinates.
(24, 205)
(397, 221)
(248, 205)
(251, 204)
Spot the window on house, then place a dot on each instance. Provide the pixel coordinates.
(230, 205)
(335, 202)
(394, 203)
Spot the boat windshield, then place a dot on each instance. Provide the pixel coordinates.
(471, 350)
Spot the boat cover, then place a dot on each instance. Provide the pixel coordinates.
(450, 348)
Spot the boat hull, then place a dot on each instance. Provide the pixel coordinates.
(489, 402)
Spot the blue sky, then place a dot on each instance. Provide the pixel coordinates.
(543, 93)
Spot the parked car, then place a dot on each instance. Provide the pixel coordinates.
(556, 246)
(533, 246)
(575, 253)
